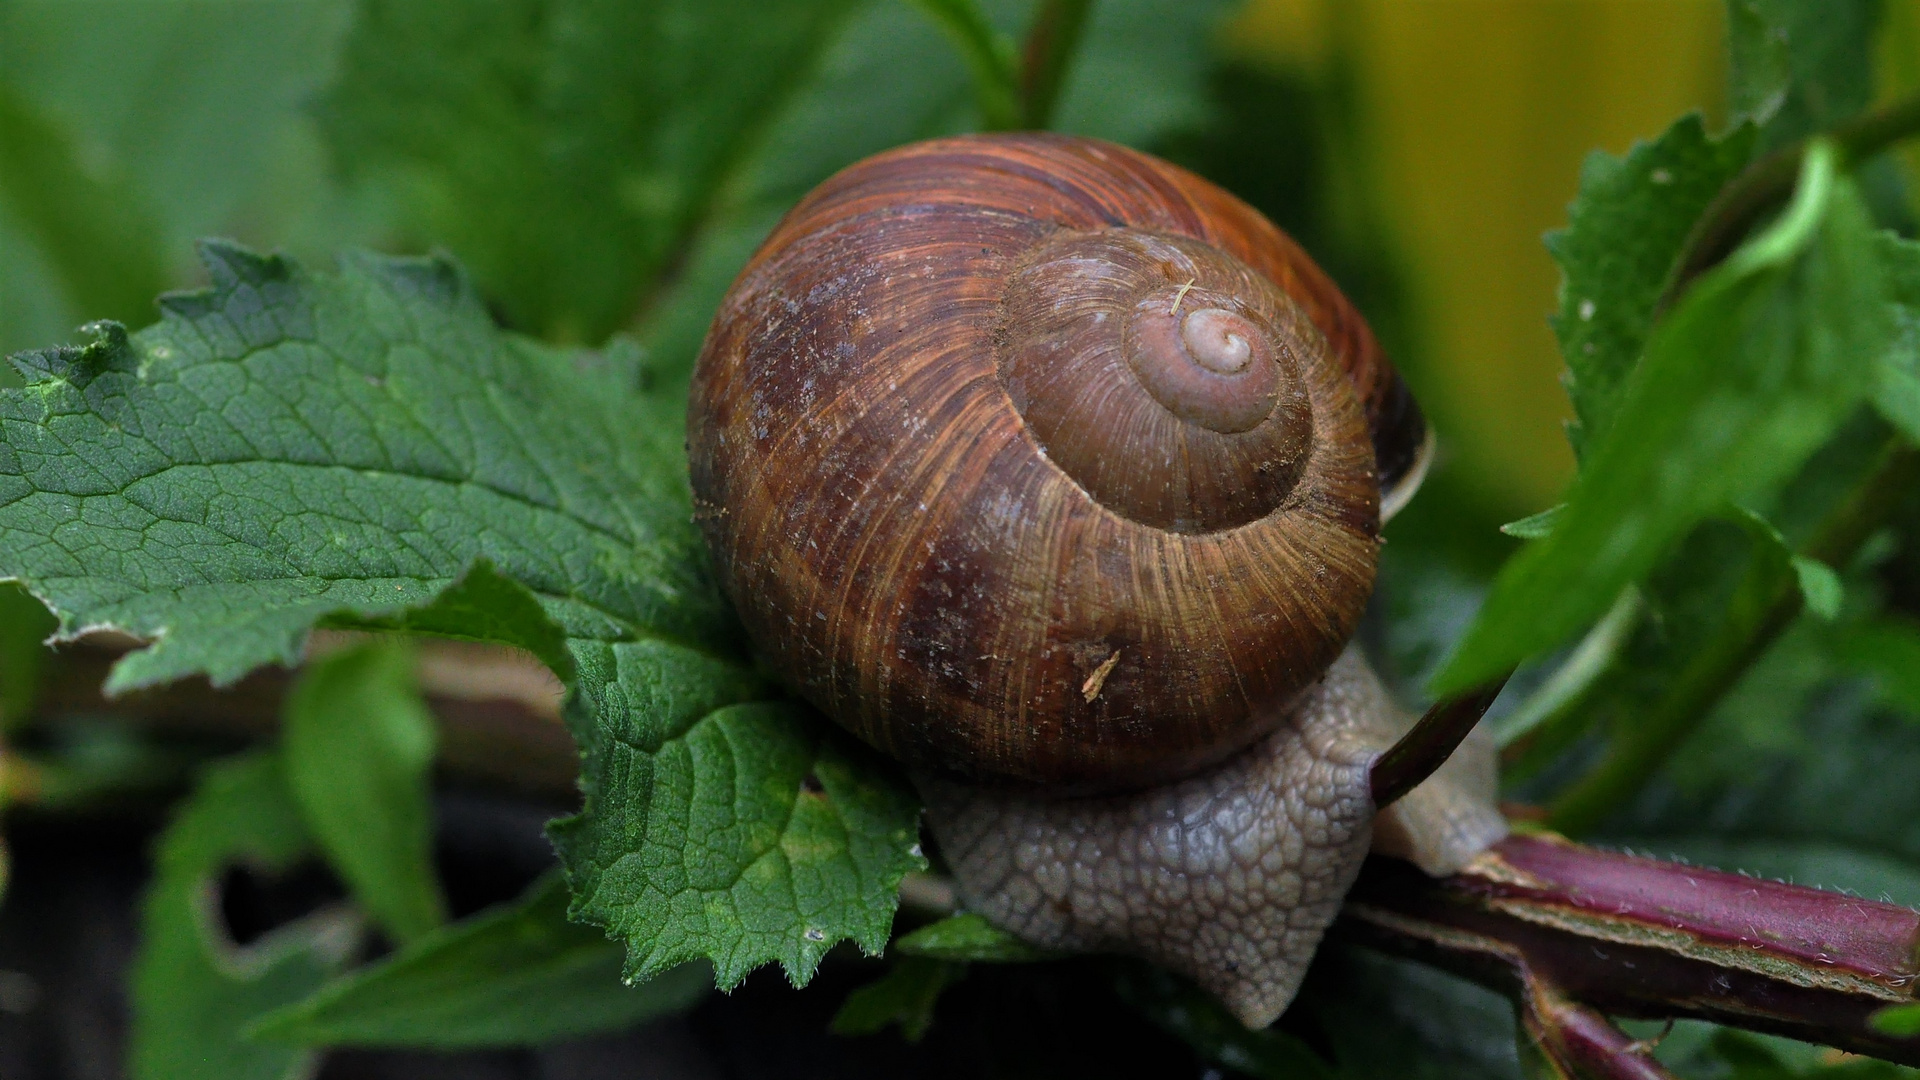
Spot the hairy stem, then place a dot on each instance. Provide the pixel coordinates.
(1632, 758)
(1579, 1041)
(1552, 923)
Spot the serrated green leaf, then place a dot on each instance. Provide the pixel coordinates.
(967, 937)
(193, 988)
(288, 449)
(516, 975)
(1800, 66)
(610, 127)
(285, 448)
(359, 753)
(904, 997)
(488, 607)
(733, 829)
(1624, 233)
(1759, 363)
(1560, 691)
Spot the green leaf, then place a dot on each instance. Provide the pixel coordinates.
(1820, 586)
(611, 128)
(1624, 233)
(193, 988)
(729, 828)
(1755, 368)
(1897, 394)
(1800, 66)
(1902, 1021)
(517, 975)
(1828, 801)
(904, 996)
(288, 449)
(284, 448)
(359, 753)
(1560, 691)
(967, 937)
(1534, 526)
(90, 224)
(484, 606)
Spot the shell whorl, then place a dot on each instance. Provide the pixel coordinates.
(1036, 459)
(1162, 376)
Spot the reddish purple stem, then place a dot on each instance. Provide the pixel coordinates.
(1636, 937)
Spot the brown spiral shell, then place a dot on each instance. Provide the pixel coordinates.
(1037, 459)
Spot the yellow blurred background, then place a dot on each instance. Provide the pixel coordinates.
(1471, 118)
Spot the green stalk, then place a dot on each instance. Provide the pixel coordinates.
(1768, 182)
(1051, 44)
(1774, 601)
(989, 57)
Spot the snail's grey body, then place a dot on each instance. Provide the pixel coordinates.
(1231, 876)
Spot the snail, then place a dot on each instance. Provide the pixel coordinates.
(1056, 472)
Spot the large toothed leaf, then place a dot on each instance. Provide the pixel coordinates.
(285, 447)
(714, 816)
(366, 448)
(1757, 365)
(1800, 66)
(1624, 232)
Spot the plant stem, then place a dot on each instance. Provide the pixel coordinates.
(492, 733)
(1432, 741)
(1579, 1041)
(989, 57)
(1552, 923)
(1769, 181)
(1051, 43)
(1632, 758)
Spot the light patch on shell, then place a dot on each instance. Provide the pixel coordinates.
(1091, 688)
(1230, 877)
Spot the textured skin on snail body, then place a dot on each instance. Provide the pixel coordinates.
(1037, 460)
(1229, 876)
